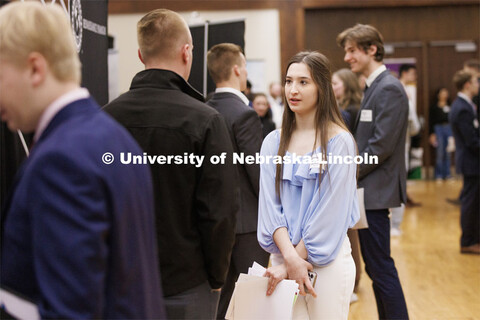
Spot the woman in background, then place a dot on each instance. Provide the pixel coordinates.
(306, 209)
(440, 132)
(346, 88)
(262, 107)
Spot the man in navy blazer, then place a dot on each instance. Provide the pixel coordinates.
(380, 130)
(464, 122)
(78, 236)
(227, 67)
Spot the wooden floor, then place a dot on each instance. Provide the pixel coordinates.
(438, 281)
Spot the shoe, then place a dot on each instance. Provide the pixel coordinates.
(473, 249)
(395, 232)
(353, 298)
(455, 202)
(410, 203)
(413, 204)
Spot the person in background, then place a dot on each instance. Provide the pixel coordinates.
(380, 130)
(78, 235)
(440, 132)
(262, 107)
(407, 76)
(347, 91)
(464, 122)
(248, 92)
(227, 67)
(473, 65)
(194, 202)
(276, 103)
(305, 210)
(346, 87)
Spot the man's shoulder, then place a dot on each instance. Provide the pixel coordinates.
(460, 106)
(80, 134)
(459, 102)
(226, 102)
(389, 81)
(157, 100)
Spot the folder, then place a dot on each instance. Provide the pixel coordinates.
(17, 306)
(250, 300)
(362, 222)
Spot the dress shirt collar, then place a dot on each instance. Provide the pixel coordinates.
(374, 75)
(56, 106)
(235, 92)
(467, 98)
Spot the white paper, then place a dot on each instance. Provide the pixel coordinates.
(256, 270)
(250, 300)
(18, 307)
(362, 222)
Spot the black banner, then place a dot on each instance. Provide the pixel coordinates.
(232, 32)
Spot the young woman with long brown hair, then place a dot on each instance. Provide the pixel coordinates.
(346, 88)
(306, 209)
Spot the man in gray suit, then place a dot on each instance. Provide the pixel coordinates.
(380, 130)
(227, 67)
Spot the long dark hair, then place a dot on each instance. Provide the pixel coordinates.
(326, 108)
(352, 92)
(436, 94)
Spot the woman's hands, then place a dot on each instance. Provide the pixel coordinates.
(275, 275)
(297, 269)
(295, 266)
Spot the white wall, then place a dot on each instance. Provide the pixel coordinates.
(262, 40)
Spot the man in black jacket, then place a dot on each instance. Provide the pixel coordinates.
(194, 200)
(227, 67)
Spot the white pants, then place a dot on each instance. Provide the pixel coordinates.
(334, 286)
(396, 216)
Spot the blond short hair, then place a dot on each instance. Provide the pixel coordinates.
(220, 60)
(160, 32)
(27, 27)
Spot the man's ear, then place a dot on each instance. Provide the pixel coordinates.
(372, 50)
(140, 56)
(236, 70)
(37, 67)
(185, 54)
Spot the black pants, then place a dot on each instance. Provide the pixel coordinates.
(245, 251)
(470, 211)
(379, 265)
(196, 303)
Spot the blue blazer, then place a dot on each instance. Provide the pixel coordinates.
(464, 123)
(78, 235)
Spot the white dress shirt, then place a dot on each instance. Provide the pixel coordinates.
(235, 92)
(374, 75)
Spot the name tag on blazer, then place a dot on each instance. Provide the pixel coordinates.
(366, 116)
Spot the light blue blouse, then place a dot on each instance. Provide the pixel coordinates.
(320, 218)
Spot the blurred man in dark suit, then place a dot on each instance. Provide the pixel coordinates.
(227, 67)
(464, 122)
(78, 237)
